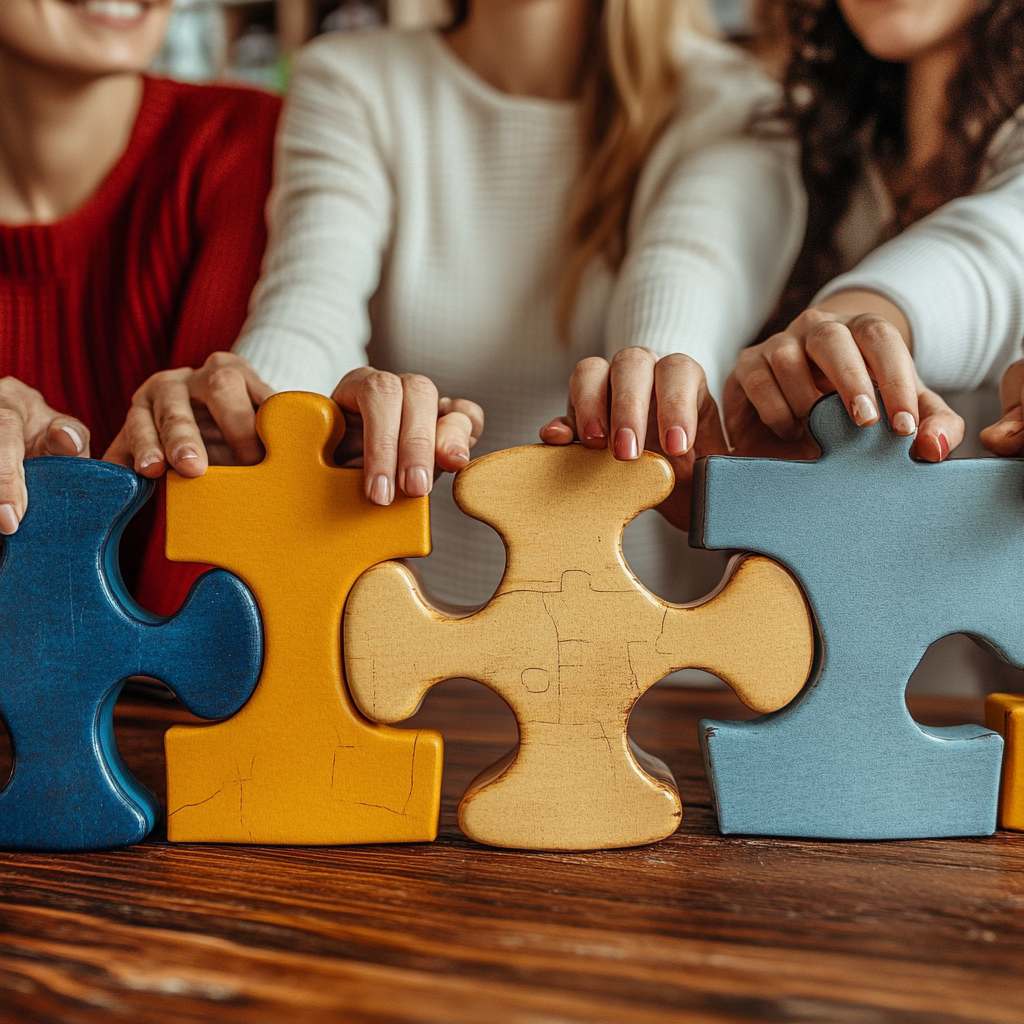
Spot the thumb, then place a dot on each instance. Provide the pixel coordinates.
(1006, 435)
(66, 436)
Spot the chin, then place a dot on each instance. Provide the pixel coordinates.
(85, 37)
(893, 46)
(900, 31)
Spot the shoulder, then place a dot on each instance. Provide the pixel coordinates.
(241, 116)
(724, 90)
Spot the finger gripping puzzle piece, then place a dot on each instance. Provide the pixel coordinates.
(571, 640)
(70, 635)
(893, 554)
(298, 764)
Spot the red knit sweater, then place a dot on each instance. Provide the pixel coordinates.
(153, 271)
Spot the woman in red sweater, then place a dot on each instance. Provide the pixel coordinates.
(131, 231)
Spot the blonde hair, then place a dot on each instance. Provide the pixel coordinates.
(630, 89)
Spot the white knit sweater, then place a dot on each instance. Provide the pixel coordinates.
(416, 223)
(957, 275)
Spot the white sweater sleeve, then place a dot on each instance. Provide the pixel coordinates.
(330, 217)
(710, 253)
(958, 277)
(717, 220)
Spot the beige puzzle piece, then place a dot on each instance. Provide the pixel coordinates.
(571, 641)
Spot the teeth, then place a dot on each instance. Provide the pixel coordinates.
(126, 10)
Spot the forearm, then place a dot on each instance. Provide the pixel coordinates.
(955, 278)
(712, 256)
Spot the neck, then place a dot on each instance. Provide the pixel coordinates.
(928, 78)
(528, 48)
(61, 138)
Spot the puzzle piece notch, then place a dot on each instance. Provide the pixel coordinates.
(298, 764)
(571, 640)
(72, 634)
(892, 554)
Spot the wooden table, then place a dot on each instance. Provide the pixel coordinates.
(698, 928)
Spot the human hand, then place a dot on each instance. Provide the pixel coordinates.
(640, 401)
(28, 428)
(1006, 435)
(402, 432)
(775, 384)
(189, 419)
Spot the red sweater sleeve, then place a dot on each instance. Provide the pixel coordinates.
(229, 237)
(230, 229)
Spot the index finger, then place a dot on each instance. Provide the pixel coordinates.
(892, 367)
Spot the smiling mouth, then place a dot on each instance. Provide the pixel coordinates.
(114, 13)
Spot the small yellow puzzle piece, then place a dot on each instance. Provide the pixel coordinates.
(571, 641)
(1004, 714)
(297, 764)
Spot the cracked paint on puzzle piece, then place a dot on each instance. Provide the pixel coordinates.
(299, 531)
(570, 618)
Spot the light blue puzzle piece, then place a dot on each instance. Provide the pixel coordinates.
(893, 554)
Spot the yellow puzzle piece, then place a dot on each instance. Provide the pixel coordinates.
(297, 764)
(571, 641)
(1004, 714)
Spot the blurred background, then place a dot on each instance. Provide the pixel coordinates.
(253, 40)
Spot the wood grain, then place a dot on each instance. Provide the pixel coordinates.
(697, 928)
(572, 640)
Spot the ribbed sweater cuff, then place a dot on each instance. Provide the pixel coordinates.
(687, 320)
(288, 367)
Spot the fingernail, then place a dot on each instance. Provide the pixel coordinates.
(76, 438)
(625, 444)
(863, 410)
(8, 520)
(593, 431)
(943, 445)
(417, 482)
(380, 490)
(903, 423)
(150, 459)
(458, 454)
(676, 441)
(187, 454)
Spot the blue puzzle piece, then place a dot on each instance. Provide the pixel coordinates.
(893, 554)
(70, 634)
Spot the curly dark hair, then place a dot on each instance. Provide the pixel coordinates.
(844, 105)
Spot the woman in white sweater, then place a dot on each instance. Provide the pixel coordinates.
(911, 121)
(484, 208)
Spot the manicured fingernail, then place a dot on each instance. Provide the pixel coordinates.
(187, 454)
(150, 459)
(903, 423)
(943, 443)
(676, 441)
(863, 410)
(76, 438)
(625, 444)
(593, 431)
(380, 490)
(417, 482)
(8, 520)
(458, 454)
